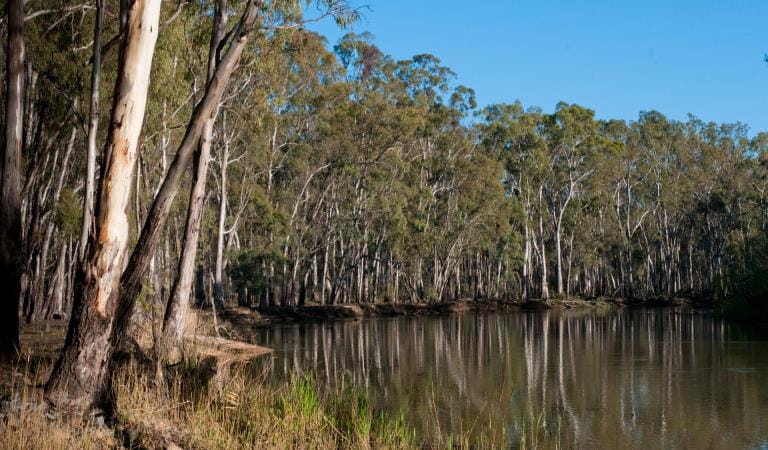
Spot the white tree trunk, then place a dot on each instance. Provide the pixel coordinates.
(79, 378)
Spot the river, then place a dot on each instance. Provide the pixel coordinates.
(627, 378)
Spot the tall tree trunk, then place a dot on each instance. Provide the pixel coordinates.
(10, 184)
(56, 291)
(130, 282)
(93, 128)
(544, 276)
(80, 377)
(526, 279)
(218, 291)
(175, 318)
(559, 250)
(37, 293)
(174, 321)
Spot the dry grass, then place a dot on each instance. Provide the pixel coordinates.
(211, 400)
(189, 411)
(246, 413)
(26, 422)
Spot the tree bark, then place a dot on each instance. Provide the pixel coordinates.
(79, 380)
(10, 185)
(56, 291)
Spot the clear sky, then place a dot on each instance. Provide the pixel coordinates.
(617, 57)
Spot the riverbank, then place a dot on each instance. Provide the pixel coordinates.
(211, 399)
(242, 318)
(187, 411)
(197, 404)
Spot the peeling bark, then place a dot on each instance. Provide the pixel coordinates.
(79, 379)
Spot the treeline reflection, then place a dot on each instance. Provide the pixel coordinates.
(664, 378)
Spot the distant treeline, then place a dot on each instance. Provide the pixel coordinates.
(345, 176)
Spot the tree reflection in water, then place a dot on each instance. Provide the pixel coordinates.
(634, 377)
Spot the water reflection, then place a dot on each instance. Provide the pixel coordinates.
(632, 378)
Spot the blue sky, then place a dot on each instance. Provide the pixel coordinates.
(617, 57)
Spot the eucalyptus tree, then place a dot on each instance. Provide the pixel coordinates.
(80, 375)
(93, 127)
(175, 317)
(105, 294)
(571, 137)
(10, 183)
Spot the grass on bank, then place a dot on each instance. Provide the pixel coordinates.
(247, 413)
(189, 411)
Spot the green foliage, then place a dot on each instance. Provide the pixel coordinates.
(301, 399)
(69, 213)
(351, 414)
(353, 175)
(249, 270)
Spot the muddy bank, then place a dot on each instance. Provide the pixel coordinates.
(243, 318)
(322, 312)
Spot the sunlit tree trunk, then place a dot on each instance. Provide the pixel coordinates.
(55, 297)
(543, 252)
(79, 379)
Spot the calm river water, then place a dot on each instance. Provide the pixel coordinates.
(630, 378)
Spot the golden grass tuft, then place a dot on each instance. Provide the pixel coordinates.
(247, 413)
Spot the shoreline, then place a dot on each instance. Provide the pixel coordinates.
(267, 316)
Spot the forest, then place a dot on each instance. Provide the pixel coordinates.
(164, 157)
